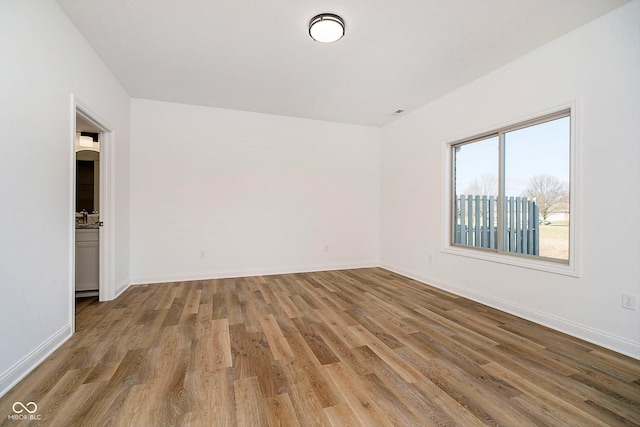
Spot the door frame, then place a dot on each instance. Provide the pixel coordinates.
(107, 287)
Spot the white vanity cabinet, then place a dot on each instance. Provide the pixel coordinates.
(87, 259)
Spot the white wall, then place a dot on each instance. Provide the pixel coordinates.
(45, 60)
(596, 66)
(258, 193)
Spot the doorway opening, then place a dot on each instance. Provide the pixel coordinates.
(92, 209)
(87, 209)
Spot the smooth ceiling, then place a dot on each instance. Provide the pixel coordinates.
(257, 55)
(84, 126)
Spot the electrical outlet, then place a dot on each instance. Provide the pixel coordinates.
(202, 254)
(430, 258)
(629, 301)
(326, 248)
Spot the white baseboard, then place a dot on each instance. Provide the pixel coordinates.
(601, 338)
(28, 363)
(249, 273)
(122, 287)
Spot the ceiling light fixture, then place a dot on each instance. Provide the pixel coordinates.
(86, 142)
(326, 28)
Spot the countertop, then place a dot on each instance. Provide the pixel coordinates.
(87, 226)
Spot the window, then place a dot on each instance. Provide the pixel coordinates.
(510, 190)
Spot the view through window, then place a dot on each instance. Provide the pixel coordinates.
(511, 189)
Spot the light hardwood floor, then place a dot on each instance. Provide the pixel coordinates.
(341, 348)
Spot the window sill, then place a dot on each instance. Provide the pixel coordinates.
(516, 261)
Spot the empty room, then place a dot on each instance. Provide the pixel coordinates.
(346, 213)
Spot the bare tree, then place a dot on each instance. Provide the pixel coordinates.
(485, 185)
(549, 192)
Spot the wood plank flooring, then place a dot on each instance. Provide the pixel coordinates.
(342, 348)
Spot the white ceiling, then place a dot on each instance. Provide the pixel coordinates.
(84, 126)
(257, 55)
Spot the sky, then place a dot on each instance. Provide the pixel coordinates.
(535, 150)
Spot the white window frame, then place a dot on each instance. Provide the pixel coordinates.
(570, 268)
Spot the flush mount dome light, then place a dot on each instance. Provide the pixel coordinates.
(326, 28)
